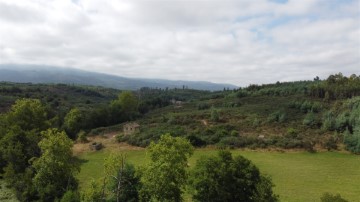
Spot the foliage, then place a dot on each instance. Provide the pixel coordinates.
(55, 168)
(28, 114)
(310, 119)
(327, 197)
(352, 142)
(336, 87)
(164, 178)
(330, 143)
(129, 104)
(70, 196)
(122, 182)
(224, 178)
(328, 121)
(203, 106)
(264, 190)
(82, 137)
(73, 122)
(278, 116)
(214, 115)
(19, 138)
(94, 193)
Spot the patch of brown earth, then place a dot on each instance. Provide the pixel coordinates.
(108, 141)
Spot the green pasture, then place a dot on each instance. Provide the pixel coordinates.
(298, 176)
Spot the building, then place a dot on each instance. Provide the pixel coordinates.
(130, 128)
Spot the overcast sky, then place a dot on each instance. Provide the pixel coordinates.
(232, 41)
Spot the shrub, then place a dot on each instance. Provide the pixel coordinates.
(82, 137)
(277, 116)
(330, 144)
(214, 115)
(327, 197)
(342, 122)
(309, 119)
(196, 141)
(352, 142)
(234, 133)
(292, 132)
(328, 121)
(203, 106)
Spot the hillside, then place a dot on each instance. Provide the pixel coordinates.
(55, 75)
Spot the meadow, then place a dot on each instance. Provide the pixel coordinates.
(298, 176)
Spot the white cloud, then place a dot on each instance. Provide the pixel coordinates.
(233, 41)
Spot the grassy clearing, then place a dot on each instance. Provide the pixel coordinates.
(298, 176)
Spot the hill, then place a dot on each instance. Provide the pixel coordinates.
(53, 74)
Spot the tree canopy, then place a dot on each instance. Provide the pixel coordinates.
(165, 177)
(223, 178)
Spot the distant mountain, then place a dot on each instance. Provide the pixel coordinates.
(53, 74)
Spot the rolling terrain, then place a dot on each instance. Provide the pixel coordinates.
(56, 75)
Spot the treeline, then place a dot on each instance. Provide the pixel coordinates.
(336, 87)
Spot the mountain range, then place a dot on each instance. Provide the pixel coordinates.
(54, 74)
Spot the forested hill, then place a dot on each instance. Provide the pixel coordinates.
(53, 74)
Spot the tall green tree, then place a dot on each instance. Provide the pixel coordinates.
(19, 137)
(129, 104)
(73, 122)
(165, 177)
(56, 168)
(223, 178)
(28, 114)
(122, 182)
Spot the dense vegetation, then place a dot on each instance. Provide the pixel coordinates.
(39, 122)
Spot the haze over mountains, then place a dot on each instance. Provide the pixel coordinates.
(54, 74)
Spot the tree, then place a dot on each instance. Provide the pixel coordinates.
(129, 104)
(94, 193)
(19, 136)
(165, 176)
(227, 179)
(73, 122)
(55, 168)
(28, 114)
(121, 179)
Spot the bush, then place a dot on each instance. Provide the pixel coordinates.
(327, 197)
(203, 106)
(196, 141)
(328, 121)
(277, 116)
(352, 142)
(330, 144)
(342, 122)
(309, 119)
(214, 115)
(292, 132)
(70, 196)
(82, 137)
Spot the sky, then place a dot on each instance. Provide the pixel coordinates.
(240, 42)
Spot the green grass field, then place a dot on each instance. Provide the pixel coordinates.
(298, 176)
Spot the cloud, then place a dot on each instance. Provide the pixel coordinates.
(239, 42)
